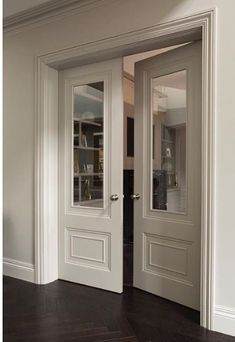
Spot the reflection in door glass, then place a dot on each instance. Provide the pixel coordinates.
(169, 120)
(88, 145)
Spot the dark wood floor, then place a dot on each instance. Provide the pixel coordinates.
(128, 264)
(63, 311)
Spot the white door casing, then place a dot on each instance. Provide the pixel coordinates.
(46, 114)
(167, 242)
(90, 238)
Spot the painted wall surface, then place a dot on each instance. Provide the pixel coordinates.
(114, 18)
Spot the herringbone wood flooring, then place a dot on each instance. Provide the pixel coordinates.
(67, 312)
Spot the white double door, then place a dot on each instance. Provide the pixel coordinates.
(167, 175)
(90, 175)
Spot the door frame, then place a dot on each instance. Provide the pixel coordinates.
(47, 67)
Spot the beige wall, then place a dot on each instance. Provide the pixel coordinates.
(116, 17)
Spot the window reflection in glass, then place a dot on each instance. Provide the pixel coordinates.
(169, 125)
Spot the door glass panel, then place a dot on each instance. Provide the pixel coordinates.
(169, 126)
(88, 151)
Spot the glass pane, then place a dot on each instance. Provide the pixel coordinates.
(169, 114)
(88, 151)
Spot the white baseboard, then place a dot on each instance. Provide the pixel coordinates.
(18, 269)
(224, 320)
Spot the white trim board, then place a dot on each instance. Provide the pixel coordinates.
(224, 320)
(18, 269)
(46, 112)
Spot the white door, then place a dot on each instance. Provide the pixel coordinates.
(90, 175)
(168, 175)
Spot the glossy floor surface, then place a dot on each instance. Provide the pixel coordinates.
(68, 312)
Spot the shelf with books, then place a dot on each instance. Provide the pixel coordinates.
(88, 161)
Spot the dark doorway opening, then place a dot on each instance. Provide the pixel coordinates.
(128, 215)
